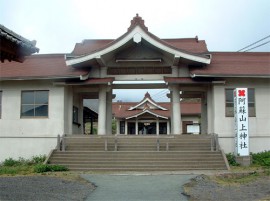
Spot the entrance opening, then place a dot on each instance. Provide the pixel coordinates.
(147, 128)
(145, 111)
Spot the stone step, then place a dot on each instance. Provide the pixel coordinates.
(139, 153)
(134, 147)
(137, 157)
(135, 163)
(165, 167)
(202, 157)
(145, 169)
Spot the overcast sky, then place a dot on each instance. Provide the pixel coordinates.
(56, 25)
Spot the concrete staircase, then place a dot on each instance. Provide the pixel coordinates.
(139, 153)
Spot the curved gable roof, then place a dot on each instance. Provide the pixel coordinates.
(149, 112)
(147, 99)
(192, 45)
(136, 32)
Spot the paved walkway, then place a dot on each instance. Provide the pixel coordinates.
(138, 187)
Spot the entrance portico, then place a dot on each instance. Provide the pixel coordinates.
(138, 56)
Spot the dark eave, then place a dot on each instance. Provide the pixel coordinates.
(15, 47)
(92, 81)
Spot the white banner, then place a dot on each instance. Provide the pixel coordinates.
(241, 121)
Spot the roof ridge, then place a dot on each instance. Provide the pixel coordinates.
(137, 20)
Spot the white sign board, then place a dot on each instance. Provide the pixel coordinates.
(195, 129)
(241, 121)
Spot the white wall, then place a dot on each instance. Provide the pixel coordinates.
(11, 147)
(12, 125)
(259, 126)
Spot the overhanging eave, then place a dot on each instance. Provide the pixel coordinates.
(133, 35)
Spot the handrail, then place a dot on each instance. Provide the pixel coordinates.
(214, 142)
(61, 143)
(217, 142)
(62, 140)
(58, 146)
(115, 144)
(106, 144)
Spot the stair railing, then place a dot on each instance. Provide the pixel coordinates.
(115, 144)
(158, 144)
(214, 142)
(61, 143)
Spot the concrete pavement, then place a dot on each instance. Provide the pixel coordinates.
(138, 187)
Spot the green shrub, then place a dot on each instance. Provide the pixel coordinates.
(21, 161)
(38, 159)
(49, 168)
(56, 168)
(261, 158)
(41, 168)
(231, 159)
(11, 162)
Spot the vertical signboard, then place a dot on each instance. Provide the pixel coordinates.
(241, 121)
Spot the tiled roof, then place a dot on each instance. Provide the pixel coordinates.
(13, 46)
(188, 45)
(236, 64)
(120, 109)
(87, 46)
(145, 101)
(191, 45)
(39, 66)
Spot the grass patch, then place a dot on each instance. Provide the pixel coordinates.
(15, 170)
(259, 168)
(237, 178)
(49, 168)
(28, 166)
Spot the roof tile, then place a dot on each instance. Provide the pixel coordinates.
(236, 64)
(36, 66)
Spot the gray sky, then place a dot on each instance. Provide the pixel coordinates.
(58, 24)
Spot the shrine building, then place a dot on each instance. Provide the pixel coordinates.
(43, 97)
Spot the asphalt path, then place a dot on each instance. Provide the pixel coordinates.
(138, 187)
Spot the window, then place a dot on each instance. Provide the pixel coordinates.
(34, 103)
(0, 104)
(229, 103)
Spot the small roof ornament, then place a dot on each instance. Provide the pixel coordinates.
(147, 95)
(137, 20)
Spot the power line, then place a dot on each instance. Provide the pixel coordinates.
(257, 46)
(160, 92)
(254, 43)
(164, 95)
